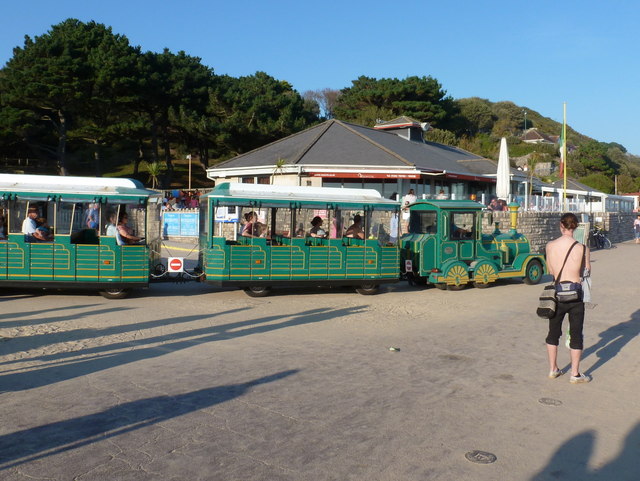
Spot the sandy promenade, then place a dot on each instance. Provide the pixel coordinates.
(187, 382)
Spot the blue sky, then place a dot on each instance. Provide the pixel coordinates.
(537, 55)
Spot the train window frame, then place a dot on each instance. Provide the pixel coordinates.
(423, 222)
(455, 220)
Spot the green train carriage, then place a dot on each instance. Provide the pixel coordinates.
(80, 253)
(285, 252)
(445, 247)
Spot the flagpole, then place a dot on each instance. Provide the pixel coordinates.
(564, 156)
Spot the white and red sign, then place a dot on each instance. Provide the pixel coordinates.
(175, 264)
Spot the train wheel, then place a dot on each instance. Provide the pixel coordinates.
(533, 273)
(441, 285)
(257, 291)
(368, 289)
(114, 293)
(484, 275)
(457, 275)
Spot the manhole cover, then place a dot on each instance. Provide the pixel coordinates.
(547, 401)
(481, 457)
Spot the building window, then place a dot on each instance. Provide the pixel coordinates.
(248, 180)
(264, 180)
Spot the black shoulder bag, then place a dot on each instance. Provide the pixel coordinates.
(551, 295)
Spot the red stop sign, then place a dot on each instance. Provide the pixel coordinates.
(175, 264)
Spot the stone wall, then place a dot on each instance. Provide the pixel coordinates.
(541, 227)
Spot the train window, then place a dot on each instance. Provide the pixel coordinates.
(423, 222)
(17, 214)
(137, 218)
(3, 221)
(336, 223)
(109, 220)
(384, 226)
(354, 224)
(204, 219)
(254, 222)
(304, 221)
(462, 225)
(153, 221)
(283, 222)
(64, 217)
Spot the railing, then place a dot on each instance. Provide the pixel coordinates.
(543, 203)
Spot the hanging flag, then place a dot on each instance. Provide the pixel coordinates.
(562, 141)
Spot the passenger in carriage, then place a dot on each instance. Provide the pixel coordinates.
(251, 227)
(43, 231)
(29, 225)
(126, 233)
(355, 230)
(112, 228)
(3, 228)
(316, 229)
(260, 229)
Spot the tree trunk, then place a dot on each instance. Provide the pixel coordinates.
(62, 144)
(167, 151)
(139, 159)
(204, 156)
(96, 158)
(154, 140)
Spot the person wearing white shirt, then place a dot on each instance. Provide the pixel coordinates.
(407, 200)
(29, 225)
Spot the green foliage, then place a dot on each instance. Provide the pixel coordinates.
(70, 81)
(626, 184)
(80, 89)
(476, 116)
(593, 155)
(482, 144)
(441, 136)
(519, 149)
(599, 182)
(255, 110)
(421, 98)
(510, 119)
(155, 171)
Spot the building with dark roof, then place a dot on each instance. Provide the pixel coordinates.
(391, 157)
(534, 136)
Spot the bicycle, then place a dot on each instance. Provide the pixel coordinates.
(598, 238)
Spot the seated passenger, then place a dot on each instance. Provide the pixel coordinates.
(316, 229)
(260, 229)
(355, 230)
(300, 230)
(92, 216)
(43, 231)
(112, 228)
(250, 228)
(29, 225)
(459, 232)
(3, 234)
(126, 233)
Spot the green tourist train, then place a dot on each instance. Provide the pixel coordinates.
(257, 236)
(77, 232)
(105, 235)
(445, 247)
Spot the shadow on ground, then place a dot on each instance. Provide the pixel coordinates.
(43, 441)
